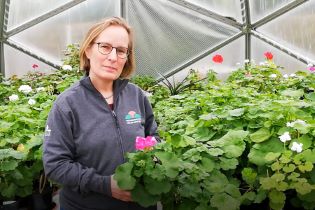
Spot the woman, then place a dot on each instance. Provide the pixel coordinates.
(93, 124)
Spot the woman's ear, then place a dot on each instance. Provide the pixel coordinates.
(88, 52)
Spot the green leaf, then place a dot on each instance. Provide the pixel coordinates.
(271, 156)
(289, 168)
(236, 112)
(7, 153)
(292, 93)
(171, 163)
(143, 197)
(223, 201)
(9, 191)
(261, 135)
(228, 163)
(259, 151)
(309, 155)
(8, 165)
(156, 187)
(215, 152)
(276, 197)
(207, 164)
(123, 176)
(249, 175)
(267, 183)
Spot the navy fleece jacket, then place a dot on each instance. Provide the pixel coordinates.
(85, 141)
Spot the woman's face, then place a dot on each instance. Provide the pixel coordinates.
(105, 64)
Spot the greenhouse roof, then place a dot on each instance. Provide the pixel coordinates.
(171, 35)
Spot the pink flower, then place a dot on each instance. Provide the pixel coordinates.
(143, 143)
(35, 66)
(312, 68)
(268, 55)
(217, 58)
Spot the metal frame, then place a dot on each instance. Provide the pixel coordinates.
(277, 45)
(4, 10)
(6, 38)
(208, 13)
(30, 53)
(206, 53)
(278, 12)
(44, 17)
(247, 29)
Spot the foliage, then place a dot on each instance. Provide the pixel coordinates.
(222, 145)
(22, 124)
(72, 56)
(192, 82)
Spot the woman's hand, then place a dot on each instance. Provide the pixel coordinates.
(117, 192)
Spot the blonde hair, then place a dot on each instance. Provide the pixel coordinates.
(95, 31)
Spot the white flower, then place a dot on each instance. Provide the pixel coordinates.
(310, 65)
(272, 75)
(238, 64)
(31, 102)
(292, 124)
(67, 67)
(285, 76)
(262, 63)
(297, 147)
(147, 94)
(285, 137)
(292, 75)
(13, 97)
(301, 122)
(246, 61)
(25, 89)
(40, 89)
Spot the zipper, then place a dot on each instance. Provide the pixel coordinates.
(119, 134)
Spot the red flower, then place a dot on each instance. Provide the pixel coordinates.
(217, 58)
(35, 66)
(268, 55)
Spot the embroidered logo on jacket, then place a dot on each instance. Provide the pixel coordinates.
(47, 131)
(132, 117)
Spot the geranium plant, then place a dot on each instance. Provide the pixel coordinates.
(246, 141)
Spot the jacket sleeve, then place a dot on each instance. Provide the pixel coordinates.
(150, 124)
(59, 157)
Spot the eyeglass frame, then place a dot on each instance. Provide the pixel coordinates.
(98, 48)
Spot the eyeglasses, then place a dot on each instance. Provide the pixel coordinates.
(106, 49)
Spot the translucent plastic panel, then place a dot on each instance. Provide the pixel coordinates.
(23, 11)
(18, 63)
(168, 35)
(50, 38)
(233, 56)
(280, 58)
(295, 29)
(228, 8)
(261, 8)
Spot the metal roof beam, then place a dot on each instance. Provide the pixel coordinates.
(28, 52)
(208, 13)
(44, 17)
(247, 27)
(4, 14)
(284, 49)
(206, 53)
(278, 12)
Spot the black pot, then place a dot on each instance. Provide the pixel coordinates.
(10, 205)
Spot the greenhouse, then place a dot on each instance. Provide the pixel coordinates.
(157, 104)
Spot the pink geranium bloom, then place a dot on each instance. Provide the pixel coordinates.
(35, 66)
(143, 143)
(312, 68)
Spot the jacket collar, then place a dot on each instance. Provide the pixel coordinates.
(119, 85)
